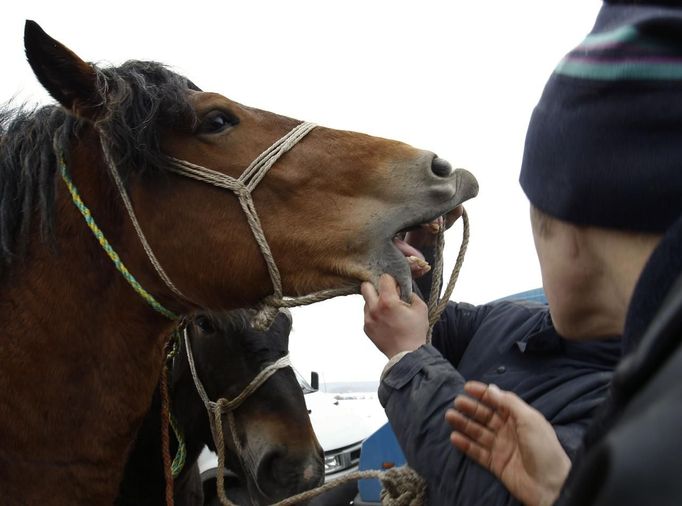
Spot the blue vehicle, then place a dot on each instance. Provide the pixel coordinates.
(379, 451)
(534, 295)
(382, 451)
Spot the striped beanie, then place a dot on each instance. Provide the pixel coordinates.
(604, 144)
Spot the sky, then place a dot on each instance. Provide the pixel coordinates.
(457, 77)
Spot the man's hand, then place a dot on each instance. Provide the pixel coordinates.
(512, 440)
(391, 324)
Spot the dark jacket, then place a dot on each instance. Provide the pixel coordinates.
(633, 452)
(513, 345)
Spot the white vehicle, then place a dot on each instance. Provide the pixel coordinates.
(341, 423)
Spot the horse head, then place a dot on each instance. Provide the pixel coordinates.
(329, 208)
(273, 447)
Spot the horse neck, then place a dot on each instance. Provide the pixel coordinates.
(81, 354)
(144, 481)
(191, 414)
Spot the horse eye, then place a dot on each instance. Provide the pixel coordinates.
(204, 324)
(216, 122)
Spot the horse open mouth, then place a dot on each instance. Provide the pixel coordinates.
(415, 257)
(404, 261)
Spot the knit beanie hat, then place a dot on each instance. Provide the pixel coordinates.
(604, 144)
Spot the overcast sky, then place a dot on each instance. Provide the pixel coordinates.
(459, 78)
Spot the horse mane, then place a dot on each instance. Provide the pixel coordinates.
(136, 99)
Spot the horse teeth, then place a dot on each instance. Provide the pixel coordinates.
(420, 263)
(433, 226)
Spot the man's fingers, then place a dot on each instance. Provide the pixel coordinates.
(471, 449)
(478, 411)
(504, 403)
(369, 293)
(490, 395)
(520, 410)
(476, 389)
(388, 289)
(470, 428)
(417, 300)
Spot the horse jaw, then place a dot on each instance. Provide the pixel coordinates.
(389, 256)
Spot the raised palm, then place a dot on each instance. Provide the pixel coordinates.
(511, 439)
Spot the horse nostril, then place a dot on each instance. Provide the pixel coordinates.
(441, 167)
(273, 471)
(280, 475)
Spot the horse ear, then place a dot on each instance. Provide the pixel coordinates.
(70, 80)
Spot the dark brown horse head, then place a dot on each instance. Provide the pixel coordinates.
(277, 454)
(329, 208)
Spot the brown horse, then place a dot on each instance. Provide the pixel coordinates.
(281, 456)
(81, 352)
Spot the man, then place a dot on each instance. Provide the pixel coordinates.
(603, 171)
(511, 343)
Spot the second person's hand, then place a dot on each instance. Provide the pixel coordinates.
(512, 439)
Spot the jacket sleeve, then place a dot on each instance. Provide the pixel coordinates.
(455, 328)
(415, 393)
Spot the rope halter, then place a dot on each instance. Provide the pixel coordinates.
(228, 406)
(242, 187)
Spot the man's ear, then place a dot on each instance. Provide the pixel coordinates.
(70, 80)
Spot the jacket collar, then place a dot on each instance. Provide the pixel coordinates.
(654, 283)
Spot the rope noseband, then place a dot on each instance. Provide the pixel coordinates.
(243, 187)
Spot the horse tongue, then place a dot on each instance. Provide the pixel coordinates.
(407, 249)
(415, 258)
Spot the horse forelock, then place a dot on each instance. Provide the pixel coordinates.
(138, 99)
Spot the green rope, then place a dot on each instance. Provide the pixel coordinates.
(181, 453)
(90, 221)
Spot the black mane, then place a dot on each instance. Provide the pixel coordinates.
(137, 98)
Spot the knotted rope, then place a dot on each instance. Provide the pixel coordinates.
(243, 187)
(402, 486)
